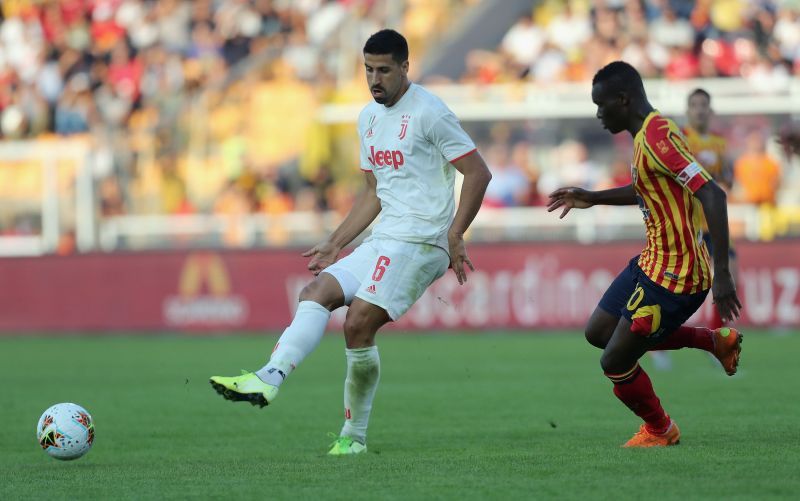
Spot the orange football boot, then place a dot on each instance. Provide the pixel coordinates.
(645, 438)
(727, 347)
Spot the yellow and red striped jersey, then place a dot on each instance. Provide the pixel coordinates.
(709, 150)
(665, 177)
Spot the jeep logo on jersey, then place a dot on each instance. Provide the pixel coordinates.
(390, 158)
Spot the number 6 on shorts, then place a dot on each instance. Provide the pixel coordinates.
(380, 268)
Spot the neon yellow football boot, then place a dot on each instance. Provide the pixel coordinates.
(346, 446)
(245, 388)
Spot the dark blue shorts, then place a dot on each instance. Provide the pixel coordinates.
(710, 247)
(652, 310)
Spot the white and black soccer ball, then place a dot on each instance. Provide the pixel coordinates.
(65, 431)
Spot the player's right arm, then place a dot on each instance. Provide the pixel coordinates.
(577, 198)
(365, 209)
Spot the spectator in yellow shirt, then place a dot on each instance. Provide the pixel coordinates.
(757, 174)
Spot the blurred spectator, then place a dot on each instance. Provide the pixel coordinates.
(620, 174)
(522, 156)
(111, 199)
(550, 65)
(509, 184)
(682, 65)
(524, 41)
(572, 167)
(787, 33)
(75, 108)
(570, 28)
(757, 174)
(671, 31)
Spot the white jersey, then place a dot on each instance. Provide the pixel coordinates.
(409, 148)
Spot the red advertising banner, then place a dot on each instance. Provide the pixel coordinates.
(523, 286)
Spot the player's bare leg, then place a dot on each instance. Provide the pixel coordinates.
(363, 373)
(600, 327)
(723, 345)
(303, 335)
(620, 362)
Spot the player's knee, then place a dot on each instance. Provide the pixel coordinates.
(355, 323)
(600, 328)
(607, 363)
(357, 331)
(310, 292)
(614, 363)
(596, 337)
(315, 291)
(611, 363)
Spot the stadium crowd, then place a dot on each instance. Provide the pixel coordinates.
(676, 39)
(145, 80)
(177, 97)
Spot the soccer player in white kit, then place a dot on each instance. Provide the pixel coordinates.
(411, 146)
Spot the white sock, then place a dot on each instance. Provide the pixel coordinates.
(363, 373)
(296, 343)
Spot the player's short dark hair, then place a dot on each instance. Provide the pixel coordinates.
(700, 92)
(388, 42)
(620, 76)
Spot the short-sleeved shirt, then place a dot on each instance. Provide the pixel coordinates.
(410, 147)
(665, 177)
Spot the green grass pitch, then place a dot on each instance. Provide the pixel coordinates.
(467, 416)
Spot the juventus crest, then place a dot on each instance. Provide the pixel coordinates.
(404, 126)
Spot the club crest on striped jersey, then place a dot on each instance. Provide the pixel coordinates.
(404, 126)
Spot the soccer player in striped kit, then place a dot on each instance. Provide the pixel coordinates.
(646, 305)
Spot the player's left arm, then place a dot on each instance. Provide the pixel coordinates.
(476, 179)
(672, 158)
(445, 133)
(715, 208)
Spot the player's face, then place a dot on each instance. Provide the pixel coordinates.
(612, 108)
(698, 111)
(385, 77)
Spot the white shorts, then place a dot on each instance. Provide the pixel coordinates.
(389, 273)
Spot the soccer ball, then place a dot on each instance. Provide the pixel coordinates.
(65, 431)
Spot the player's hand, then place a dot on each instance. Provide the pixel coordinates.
(322, 255)
(458, 257)
(569, 198)
(723, 291)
